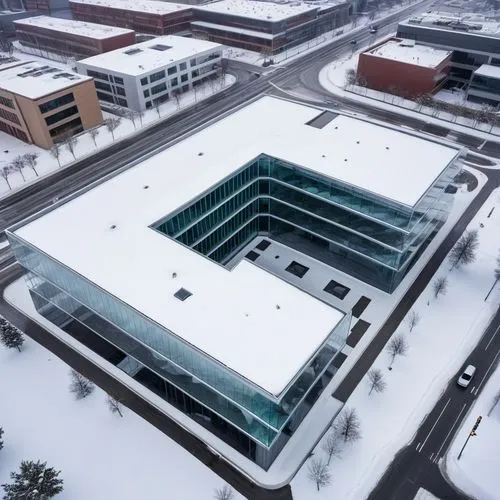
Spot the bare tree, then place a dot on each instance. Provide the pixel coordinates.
(18, 164)
(31, 161)
(80, 386)
(413, 319)
(348, 425)
(114, 405)
(176, 93)
(131, 115)
(70, 142)
(224, 493)
(397, 347)
(496, 399)
(440, 286)
(464, 251)
(376, 380)
(5, 172)
(350, 77)
(195, 91)
(156, 106)
(497, 269)
(94, 132)
(140, 115)
(55, 151)
(331, 446)
(112, 124)
(319, 473)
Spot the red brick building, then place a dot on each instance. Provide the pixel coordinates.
(401, 66)
(71, 38)
(143, 16)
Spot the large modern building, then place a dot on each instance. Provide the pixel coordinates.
(71, 38)
(151, 281)
(484, 86)
(403, 66)
(144, 16)
(269, 27)
(473, 40)
(41, 104)
(142, 74)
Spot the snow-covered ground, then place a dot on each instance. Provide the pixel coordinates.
(451, 324)
(101, 456)
(10, 147)
(476, 472)
(333, 78)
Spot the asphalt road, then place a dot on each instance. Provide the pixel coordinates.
(418, 464)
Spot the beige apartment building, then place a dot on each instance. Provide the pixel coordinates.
(41, 104)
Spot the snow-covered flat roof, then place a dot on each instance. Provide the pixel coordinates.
(488, 70)
(35, 79)
(148, 6)
(92, 30)
(232, 314)
(143, 57)
(264, 11)
(468, 23)
(408, 52)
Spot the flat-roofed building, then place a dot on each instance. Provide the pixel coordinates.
(71, 38)
(473, 39)
(143, 16)
(402, 66)
(153, 71)
(152, 275)
(484, 86)
(41, 104)
(267, 27)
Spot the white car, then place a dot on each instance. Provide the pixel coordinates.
(466, 377)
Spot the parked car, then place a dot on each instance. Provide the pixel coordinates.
(353, 42)
(466, 377)
(373, 29)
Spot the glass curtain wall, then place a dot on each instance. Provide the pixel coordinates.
(259, 415)
(270, 196)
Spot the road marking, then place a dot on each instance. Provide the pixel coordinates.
(492, 337)
(432, 454)
(450, 431)
(472, 390)
(487, 371)
(435, 423)
(418, 445)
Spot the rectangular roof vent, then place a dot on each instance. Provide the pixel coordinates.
(133, 51)
(160, 47)
(182, 294)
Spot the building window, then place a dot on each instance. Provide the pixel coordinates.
(75, 126)
(118, 80)
(11, 117)
(182, 66)
(96, 74)
(104, 97)
(192, 62)
(174, 82)
(103, 86)
(121, 102)
(61, 115)
(148, 104)
(184, 78)
(158, 88)
(146, 93)
(120, 90)
(195, 73)
(156, 76)
(185, 88)
(144, 81)
(57, 102)
(7, 102)
(172, 70)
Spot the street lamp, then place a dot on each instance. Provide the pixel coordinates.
(471, 433)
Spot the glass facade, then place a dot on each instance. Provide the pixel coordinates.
(372, 238)
(260, 416)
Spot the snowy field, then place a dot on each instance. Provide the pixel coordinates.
(476, 472)
(101, 456)
(10, 147)
(450, 324)
(333, 78)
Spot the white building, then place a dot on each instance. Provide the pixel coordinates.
(138, 76)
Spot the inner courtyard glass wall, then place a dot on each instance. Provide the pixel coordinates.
(371, 238)
(260, 416)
